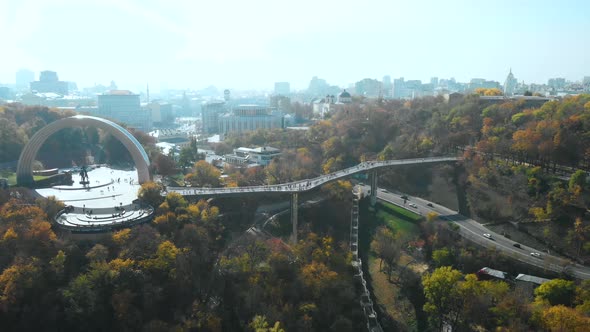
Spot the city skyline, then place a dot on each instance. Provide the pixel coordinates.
(193, 45)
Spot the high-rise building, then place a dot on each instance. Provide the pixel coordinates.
(5, 93)
(386, 84)
(413, 89)
(210, 116)
(49, 82)
(24, 77)
(510, 84)
(434, 81)
(124, 106)
(586, 83)
(368, 87)
(398, 88)
(161, 113)
(282, 88)
(317, 86)
(556, 83)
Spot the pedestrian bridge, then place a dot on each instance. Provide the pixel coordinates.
(307, 184)
(296, 187)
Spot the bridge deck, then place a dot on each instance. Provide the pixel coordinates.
(307, 184)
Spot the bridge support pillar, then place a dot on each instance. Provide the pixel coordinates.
(294, 206)
(373, 180)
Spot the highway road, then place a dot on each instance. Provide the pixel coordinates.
(474, 231)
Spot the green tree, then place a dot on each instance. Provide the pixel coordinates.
(442, 257)
(189, 154)
(479, 298)
(81, 302)
(556, 291)
(57, 263)
(260, 324)
(50, 205)
(578, 181)
(563, 319)
(387, 247)
(316, 277)
(12, 140)
(164, 165)
(340, 190)
(387, 153)
(151, 193)
(174, 201)
(204, 175)
(583, 297)
(98, 253)
(18, 281)
(165, 260)
(443, 301)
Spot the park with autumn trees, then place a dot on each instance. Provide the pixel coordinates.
(195, 266)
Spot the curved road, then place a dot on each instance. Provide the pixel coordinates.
(474, 231)
(468, 228)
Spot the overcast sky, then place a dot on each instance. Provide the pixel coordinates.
(252, 44)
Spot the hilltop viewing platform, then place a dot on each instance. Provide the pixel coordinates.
(108, 201)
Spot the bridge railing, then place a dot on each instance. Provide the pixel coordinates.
(307, 184)
(104, 227)
(365, 298)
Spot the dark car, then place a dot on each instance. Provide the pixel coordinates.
(517, 245)
(429, 204)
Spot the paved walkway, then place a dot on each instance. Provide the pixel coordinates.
(108, 188)
(307, 184)
(107, 203)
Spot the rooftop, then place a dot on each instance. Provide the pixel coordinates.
(264, 149)
(491, 272)
(515, 97)
(119, 93)
(532, 279)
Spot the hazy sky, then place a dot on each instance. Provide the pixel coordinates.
(251, 44)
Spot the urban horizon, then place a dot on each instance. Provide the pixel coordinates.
(168, 46)
(154, 87)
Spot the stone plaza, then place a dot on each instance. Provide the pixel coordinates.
(109, 200)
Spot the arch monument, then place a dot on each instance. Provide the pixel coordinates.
(27, 157)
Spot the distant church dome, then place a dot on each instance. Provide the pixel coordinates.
(344, 94)
(344, 97)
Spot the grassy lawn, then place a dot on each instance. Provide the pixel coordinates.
(392, 300)
(402, 213)
(12, 178)
(390, 297)
(397, 219)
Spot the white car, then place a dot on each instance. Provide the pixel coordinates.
(536, 254)
(413, 205)
(487, 235)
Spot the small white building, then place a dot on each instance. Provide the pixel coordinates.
(179, 138)
(252, 156)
